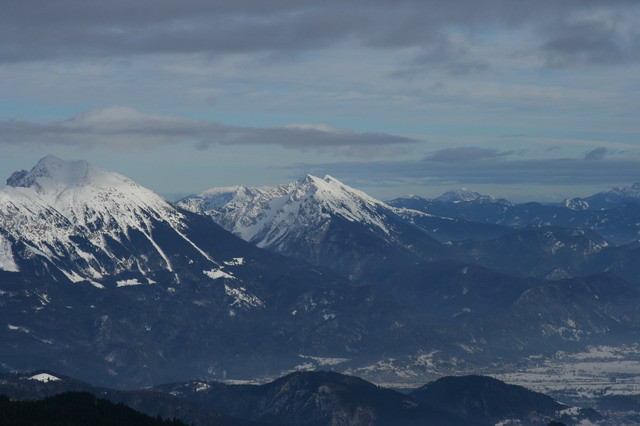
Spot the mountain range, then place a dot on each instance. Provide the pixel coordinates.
(103, 279)
(612, 214)
(329, 224)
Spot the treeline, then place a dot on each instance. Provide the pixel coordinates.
(74, 408)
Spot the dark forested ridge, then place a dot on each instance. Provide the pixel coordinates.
(75, 409)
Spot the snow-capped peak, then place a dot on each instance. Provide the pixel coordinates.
(268, 215)
(330, 189)
(74, 214)
(51, 171)
(458, 195)
(84, 193)
(53, 175)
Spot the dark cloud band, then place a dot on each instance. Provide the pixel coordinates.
(125, 127)
(45, 30)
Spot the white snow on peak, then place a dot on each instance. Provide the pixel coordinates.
(52, 174)
(44, 377)
(268, 216)
(57, 203)
(85, 194)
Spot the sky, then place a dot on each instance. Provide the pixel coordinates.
(529, 100)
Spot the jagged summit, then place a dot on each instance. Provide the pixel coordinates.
(320, 220)
(264, 215)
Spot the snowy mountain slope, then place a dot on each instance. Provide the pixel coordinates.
(75, 222)
(85, 223)
(320, 220)
(173, 294)
(265, 215)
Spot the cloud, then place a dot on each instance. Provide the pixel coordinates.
(122, 127)
(496, 171)
(464, 154)
(601, 38)
(596, 153)
(45, 30)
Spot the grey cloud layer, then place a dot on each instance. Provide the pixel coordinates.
(464, 154)
(125, 127)
(567, 31)
(596, 153)
(493, 168)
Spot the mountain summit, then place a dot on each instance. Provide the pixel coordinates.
(85, 222)
(320, 220)
(51, 173)
(268, 215)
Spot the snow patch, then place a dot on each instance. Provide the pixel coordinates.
(243, 298)
(45, 378)
(201, 387)
(96, 284)
(216, 273)
(7, 262)
(236, 261)
(130, 282)
(18, 328)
